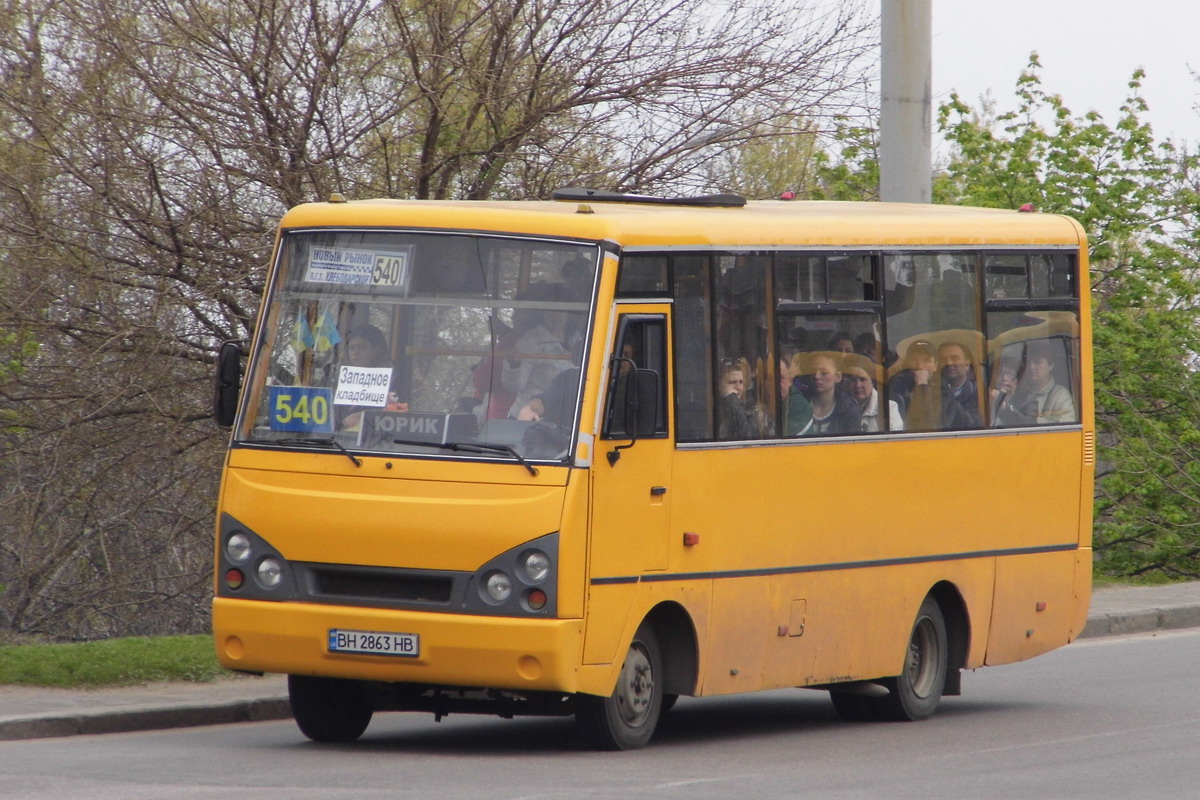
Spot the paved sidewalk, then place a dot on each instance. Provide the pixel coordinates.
(1121, 610)
(28, 712)
(34, 713)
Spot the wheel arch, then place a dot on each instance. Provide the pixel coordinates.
(958, 631)
(677, 640)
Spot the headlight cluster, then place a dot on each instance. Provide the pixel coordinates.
(530, 573)
(266, 569)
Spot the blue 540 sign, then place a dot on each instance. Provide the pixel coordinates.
(304, 409)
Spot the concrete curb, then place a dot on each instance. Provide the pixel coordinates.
(1120, 623)
(124, 720)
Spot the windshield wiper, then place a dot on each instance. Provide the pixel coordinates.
(331, 442)
(472, 447)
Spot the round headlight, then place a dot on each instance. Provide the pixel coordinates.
(238, 548)
(536, 565)
(499, 587)
(270, 572)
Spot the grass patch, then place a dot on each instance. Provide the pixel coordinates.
(113, 662)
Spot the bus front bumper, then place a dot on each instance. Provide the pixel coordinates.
(453, 649)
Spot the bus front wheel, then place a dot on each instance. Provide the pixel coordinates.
(915, 693)
(626, 719)
(329, 709)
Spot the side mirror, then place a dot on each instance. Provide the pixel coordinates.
(640, 409)
(641, 404)
(227, 384)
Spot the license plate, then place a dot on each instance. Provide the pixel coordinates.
(379, 643)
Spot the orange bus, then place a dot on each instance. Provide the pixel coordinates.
(587, 455)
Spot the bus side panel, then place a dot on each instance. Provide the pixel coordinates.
(1035, 606)
(738, 636)
(856, 631)
(846, 538)
(830, 626)
(609, 607)
(572, 546)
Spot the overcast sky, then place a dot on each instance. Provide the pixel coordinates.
(1088, 50)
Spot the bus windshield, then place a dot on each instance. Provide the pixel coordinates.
(423, 343)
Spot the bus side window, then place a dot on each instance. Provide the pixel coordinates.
(692, 292)
(1033, 325)
(936, 331)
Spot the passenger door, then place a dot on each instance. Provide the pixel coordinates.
(631, 481)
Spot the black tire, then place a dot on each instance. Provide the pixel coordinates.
(668, 702)
(329, 709)
(626, 719)
(915, 693)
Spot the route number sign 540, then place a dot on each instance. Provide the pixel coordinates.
(304, 409)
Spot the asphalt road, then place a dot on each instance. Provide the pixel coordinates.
(1115, 717)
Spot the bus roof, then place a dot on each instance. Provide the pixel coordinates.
(768, 223)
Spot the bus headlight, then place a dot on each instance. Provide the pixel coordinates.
(536, 565)
(237, 548)
(270, 572)
(498, 587)
(520, 581)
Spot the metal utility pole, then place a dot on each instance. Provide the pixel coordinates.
(905, 152)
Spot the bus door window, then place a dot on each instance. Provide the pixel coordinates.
(641, 346)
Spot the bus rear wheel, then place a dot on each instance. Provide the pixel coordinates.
(915, 693)
(626, 719)
(329, 709)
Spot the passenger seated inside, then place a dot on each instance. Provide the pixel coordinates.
(958, 386)
(1004, 386)
(537, 354)
(557, 404)
(934, 396)
(861, 375)
(916, 370)
(736, 419)
(834, 413)
(365, 346)
(1039, 398)
(841, 342)
(795, 410)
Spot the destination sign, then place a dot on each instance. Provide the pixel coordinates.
(368, 268)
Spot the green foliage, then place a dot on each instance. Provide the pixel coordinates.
(1137, 200)
(113, 662)
(854, 173)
